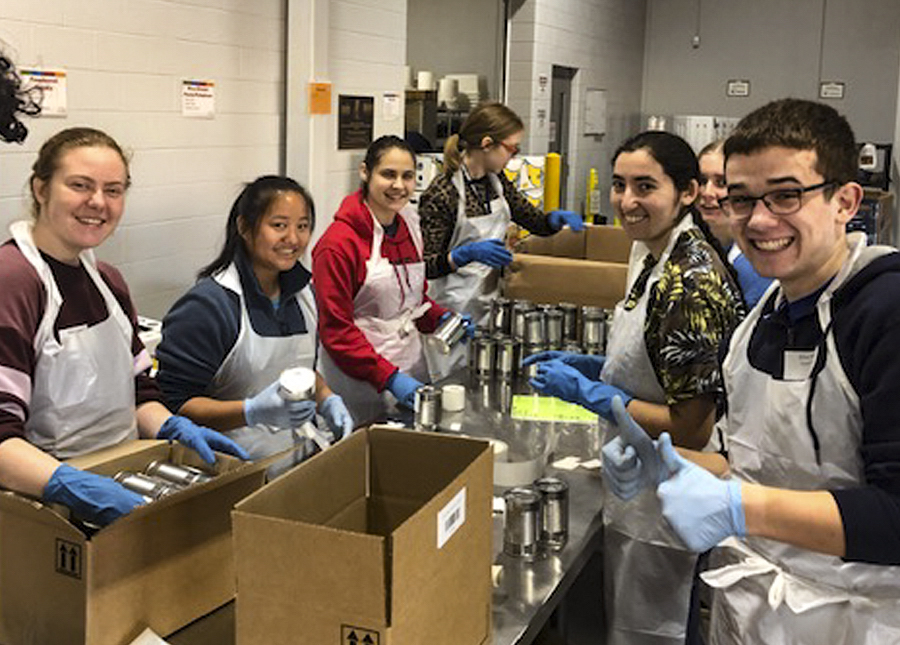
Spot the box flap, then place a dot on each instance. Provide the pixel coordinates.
(564, 244)
(313, 493)
(416, 465)
(441, 592)
(607, 244)
(543, 279)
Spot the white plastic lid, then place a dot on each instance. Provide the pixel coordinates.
(297, 383)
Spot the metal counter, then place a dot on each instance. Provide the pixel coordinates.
(529, 592)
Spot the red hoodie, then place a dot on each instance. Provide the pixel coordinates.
(339, 270)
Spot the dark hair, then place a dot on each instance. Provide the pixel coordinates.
(15, 99)
(800, 125)
(377, 150)
(59, 144)
(248, 209)
(680, 164)
(493, 120)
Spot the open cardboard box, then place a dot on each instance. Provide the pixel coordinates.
(589, 267)
(385, 537)
(162, 566)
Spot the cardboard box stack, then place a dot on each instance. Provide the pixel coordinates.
(161, 566)
(586, 268)
(383, 539)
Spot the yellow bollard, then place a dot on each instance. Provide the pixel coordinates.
(552, 167)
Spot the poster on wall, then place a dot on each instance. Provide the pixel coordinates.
(52, 83)
(356, 117)
(198, 99)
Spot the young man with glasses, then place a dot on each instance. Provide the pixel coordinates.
(809, 508)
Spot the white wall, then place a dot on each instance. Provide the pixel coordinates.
(604, 41)
(125, 61)
(359, 46)
(783, 49)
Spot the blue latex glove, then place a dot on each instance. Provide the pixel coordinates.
(491, 252)
(555, 378)
(270, 408)
(337, 416)
(631, 462)
(92, 498)
(587, 364)
(404, 388)
(558, 219)
(703, 509)
(202, 440)
(468, 323)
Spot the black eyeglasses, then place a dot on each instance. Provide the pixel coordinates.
(781, 201)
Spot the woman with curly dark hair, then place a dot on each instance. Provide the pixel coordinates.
(14, 100)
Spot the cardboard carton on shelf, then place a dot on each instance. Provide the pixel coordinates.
(385, 536)
(162, 566)
(586, 268)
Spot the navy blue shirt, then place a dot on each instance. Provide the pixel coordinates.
(203, 325)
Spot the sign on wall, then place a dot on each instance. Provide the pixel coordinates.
(356, 117)
(198, 99)
(52, 83)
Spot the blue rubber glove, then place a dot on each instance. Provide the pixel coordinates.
(468, 323)
(337, 416)
(404, 388)
(202, 440)
(92, 498)
(558, 219)
(631, 462)
(270, 408)
(491, 252)
(555, 378)
(589, 365)
(703, 509)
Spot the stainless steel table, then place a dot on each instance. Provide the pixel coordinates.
(530, 591)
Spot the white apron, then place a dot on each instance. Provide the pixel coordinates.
(254, 363)
(82, 396)
(471, 288)
(770, 592)
(386, 313)
(648, 572)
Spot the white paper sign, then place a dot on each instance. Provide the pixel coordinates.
(198, 99)
(391, 106)
(53, 89)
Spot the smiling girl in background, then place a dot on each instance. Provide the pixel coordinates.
(371, 288)
(249, 317)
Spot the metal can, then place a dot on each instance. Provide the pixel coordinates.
(554, 512)
(570, 322)
(517, 326)
(473, 349)
(485, 350)
(593, 326)
(534, 328)
(450, 332)
(521, 529)
(297, 384)
(531, 350)
(428, 407)
(145, 485)
(501, 315)
(553, 320)
(178, 475)
(507, 355)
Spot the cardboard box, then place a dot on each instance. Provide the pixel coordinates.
(385, 537)
(585, 268)
(161, 566)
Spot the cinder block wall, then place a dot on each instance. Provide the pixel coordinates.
(125, 61)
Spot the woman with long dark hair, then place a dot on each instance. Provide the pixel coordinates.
(662, 364)
(250, 316)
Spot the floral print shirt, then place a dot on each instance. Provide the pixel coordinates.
(693, 306)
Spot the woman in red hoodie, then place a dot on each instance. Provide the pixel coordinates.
(369, 279)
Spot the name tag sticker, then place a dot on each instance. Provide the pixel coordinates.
(798, 365)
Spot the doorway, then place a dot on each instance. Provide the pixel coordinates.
(560, 112)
